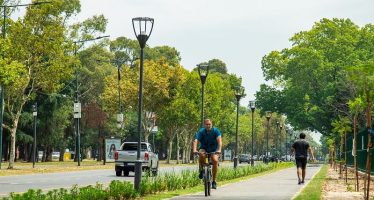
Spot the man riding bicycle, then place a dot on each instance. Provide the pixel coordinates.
(210, 141)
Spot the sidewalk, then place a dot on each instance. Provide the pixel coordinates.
(277, 185)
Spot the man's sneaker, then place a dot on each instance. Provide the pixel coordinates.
(201, 174)
(214, 185)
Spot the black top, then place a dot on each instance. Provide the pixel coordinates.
(301, 148)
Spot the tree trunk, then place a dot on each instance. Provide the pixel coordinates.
(340, 155)
(12, 154)
(345, 157)
(355, 151)
(178, 148)
(170, 149)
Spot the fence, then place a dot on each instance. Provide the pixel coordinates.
(362, 142)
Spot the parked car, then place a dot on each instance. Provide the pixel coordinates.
(245, 158)
(126, 157)
(56, 155)
(40, 155)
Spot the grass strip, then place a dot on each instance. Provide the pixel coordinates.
(313, 190)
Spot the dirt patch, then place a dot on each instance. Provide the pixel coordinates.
(336, 188)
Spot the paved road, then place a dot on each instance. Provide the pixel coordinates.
(279, 185)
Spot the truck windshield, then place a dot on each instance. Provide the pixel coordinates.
(134, 147)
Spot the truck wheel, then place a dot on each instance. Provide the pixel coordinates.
(126, 172)
(118, 173)
(155, 171)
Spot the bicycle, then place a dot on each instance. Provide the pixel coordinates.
(207, 172)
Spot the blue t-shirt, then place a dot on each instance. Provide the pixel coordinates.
(208, 141)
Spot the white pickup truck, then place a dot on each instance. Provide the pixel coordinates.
(126, 157)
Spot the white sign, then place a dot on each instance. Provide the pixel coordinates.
(77, 107)
(111, 145)
(227, 155)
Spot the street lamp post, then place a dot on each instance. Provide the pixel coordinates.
(252, 105)
(120, 114)
(142, 33)
(34, 113)
(77, 104)
(203, 70)
(280, 139)
(268, 116)
(2, 87)
(239, 93)
(287, 146)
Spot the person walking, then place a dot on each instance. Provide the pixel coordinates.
(210, 141)
(300, 149)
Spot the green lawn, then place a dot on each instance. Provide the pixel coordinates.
(313, 190)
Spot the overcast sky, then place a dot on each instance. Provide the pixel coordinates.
(238, 32)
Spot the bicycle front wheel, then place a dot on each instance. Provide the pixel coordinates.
(206, 180)
(207, 183)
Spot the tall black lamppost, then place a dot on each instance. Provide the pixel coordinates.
(120, 114)
(142, 28)
(252, 105)
(239, 93)
(203, 70)
(77, 104)
(287, 145)
(2, 87)
(280, 139)
(34, 114)
(276, 142)
(268, 116)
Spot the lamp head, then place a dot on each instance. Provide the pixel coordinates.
(203, 70)
(239, 92)
(143, 27)
(252, 105)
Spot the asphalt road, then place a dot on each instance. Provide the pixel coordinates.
(49, 181)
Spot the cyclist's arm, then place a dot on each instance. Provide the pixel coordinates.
(219, 141)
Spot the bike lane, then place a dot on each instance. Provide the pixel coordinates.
(278, 185)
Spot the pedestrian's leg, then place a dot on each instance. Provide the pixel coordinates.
(299, 173)
(303, 169)
(303, 172)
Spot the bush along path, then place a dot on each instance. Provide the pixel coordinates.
(150, 185)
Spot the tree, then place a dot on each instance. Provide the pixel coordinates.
(310, 78)
(33, 64)
(355, 106)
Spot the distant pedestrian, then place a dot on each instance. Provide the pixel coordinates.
(300, 149)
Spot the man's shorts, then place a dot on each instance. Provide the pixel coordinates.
(301, 162)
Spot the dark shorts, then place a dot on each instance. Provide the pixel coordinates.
(301, 162)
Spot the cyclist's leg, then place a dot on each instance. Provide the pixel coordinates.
(201, 158)
(215, 166)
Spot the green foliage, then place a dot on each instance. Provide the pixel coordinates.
(313, 79)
